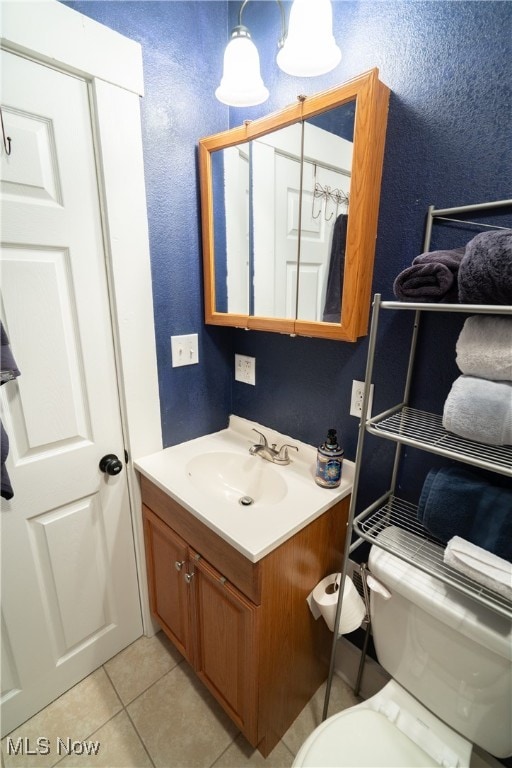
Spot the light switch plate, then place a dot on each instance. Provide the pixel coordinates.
(184, 350)
(245, 369)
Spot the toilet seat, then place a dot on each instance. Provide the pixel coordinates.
(360, 738)
(390, 729)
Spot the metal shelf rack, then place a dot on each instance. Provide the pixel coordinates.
(404, 425)
(420, 429)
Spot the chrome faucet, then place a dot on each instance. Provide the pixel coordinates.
(271, 452)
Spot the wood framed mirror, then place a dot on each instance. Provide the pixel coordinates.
(289, 207)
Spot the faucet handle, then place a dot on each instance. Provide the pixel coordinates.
(263, 439)
(283, 452)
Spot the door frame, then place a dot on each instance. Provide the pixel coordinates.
(64, 39)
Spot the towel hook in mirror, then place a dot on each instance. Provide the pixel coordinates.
(6, 139)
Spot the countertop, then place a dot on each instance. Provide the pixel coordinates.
(289, 502)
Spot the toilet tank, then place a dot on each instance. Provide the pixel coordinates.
(450, 652)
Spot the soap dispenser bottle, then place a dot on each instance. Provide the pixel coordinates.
(329, 460)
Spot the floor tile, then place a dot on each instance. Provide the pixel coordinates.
(75, 715)
(342, 696)
(118, 747)
(240, 754)
(180, 723)
(141, 664)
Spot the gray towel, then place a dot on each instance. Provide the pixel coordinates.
(8, 368)
(485, 272)
(8, 372)
(484, 348)
(431, 277)
(480, 410)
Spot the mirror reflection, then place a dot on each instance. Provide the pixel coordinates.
(327, 171)
(289, 206)
(280, 207)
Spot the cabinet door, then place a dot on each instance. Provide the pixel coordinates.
(167, 557)
(226, 645)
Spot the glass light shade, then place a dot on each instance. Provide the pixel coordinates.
(310, 48)
(241, 84)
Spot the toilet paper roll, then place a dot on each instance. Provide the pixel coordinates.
(324, 599)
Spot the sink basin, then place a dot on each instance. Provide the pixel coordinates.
(235, 477)
(251, 503)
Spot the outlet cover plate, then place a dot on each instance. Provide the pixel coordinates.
(245, 369)
(184, 350)
(356, 400)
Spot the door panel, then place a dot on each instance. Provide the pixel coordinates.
(69, 587)
(168, 591)
(67, 544)
(37, 291)
(31, 173)
(226, 654)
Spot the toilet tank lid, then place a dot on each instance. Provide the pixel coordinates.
(442, 601)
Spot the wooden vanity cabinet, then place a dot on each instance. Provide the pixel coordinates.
(225, 653)
(168, 591)
(244, 627)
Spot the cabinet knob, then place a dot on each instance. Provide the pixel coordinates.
(179, 564)
(188, 577)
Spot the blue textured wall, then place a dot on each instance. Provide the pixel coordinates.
(177, 109)
(448, 143)
(449, 67)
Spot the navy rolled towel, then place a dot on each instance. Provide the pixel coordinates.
(431, 277)
(457, 502)
(485, 272)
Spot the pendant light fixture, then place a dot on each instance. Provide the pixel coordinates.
(310, 48)
(307, 50)
(241, 84)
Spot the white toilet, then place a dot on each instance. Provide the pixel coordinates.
(446, 654)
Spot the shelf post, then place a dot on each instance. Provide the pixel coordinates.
(353, 498)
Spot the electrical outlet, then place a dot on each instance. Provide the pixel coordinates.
(184, 350)
(356, 401)
(245, 369)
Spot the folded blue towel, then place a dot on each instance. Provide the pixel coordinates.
(485, 272)
(457, 502)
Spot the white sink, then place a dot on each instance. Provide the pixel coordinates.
(237, 478)
(212, 476)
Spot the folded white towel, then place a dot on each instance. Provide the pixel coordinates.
(480, 565)
(480, 410)
(484, 348)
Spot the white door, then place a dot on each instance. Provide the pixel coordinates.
(69, 588)
(278, 214)
(236, 206)
(275, 168)
(286, 233)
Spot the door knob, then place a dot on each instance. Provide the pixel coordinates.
(110, 464)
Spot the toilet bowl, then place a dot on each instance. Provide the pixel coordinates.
(446, 654)
(390, 729)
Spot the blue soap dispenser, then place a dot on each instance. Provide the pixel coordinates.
(329, 461)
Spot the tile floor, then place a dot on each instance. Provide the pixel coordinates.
(147, 710)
